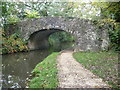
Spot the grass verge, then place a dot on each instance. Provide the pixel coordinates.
(45, 73)
(103, 64)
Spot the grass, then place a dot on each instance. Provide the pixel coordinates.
(103, 64)
(45, 73)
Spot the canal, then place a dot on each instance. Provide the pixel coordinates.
(17, 67)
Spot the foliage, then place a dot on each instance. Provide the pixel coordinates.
(115, 37)
(36, 9)
(109, 10)
(12, 43)
(91, 10)
(113, 30)
(103, 64)
(31, 14)
(45, 73)
(10, 12)
(60, 37)
(12, 19)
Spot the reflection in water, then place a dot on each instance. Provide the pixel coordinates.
(17, 67)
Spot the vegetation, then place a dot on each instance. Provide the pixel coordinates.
(109, 17)
(31, 14)
(12, 43)
(94, 10)
(60, 37)
(108, 9)
(103, 64)
(45, 73)
(114, 35)
(113, 31)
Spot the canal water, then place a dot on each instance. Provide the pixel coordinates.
(17, 67)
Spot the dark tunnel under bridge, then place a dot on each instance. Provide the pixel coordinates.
(39, 39)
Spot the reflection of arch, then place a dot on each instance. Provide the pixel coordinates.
(39, 39)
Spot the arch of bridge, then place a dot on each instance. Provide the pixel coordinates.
(89, 36)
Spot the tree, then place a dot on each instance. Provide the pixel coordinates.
(109, 9)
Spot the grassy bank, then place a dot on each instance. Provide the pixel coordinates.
(45, 73)
(103, 64)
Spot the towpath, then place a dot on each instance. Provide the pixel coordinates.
(72, 74)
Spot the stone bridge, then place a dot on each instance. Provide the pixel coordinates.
(88, 35)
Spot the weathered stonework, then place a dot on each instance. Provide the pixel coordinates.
(89, 36)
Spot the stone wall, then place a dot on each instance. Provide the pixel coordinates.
(88, 35)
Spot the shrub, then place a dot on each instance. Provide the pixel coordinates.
(113, 30)
(12, 19)
(13, 43)
(32, 14)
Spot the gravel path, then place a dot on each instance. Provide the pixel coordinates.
(72, 74)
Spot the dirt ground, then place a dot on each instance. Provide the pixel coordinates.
(72, 74)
